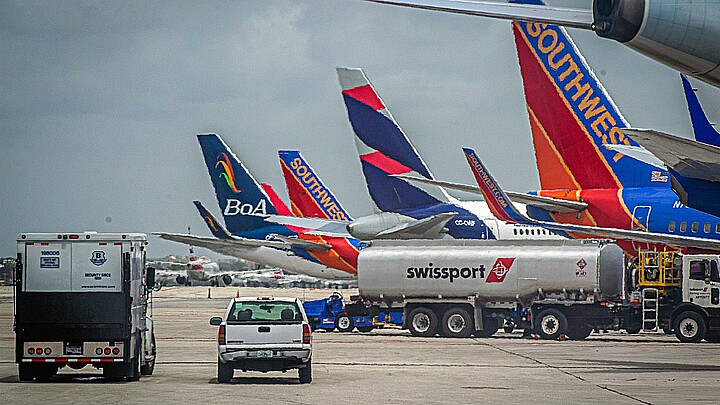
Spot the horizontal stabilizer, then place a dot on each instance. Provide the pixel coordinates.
(546, 203)
(318, 226)
(497, 201)
(689, 158)
(433, 226)
(224, 246)
(637, 153)
(307, 245)
(568, 17)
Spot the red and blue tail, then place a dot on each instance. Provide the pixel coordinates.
(704, 131)
(309, 197)
(572, 116)
(384, 149)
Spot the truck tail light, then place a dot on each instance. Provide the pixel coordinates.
(31, 350)
(221, 335)
(306, 334)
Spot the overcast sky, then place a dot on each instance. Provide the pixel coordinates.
(100, 102)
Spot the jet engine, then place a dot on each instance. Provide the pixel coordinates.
(227, 279)
(182, 280)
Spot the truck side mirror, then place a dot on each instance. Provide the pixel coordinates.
(215, 321)
(150, 277)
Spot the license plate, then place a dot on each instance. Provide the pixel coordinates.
(73, 349)
(265, 353)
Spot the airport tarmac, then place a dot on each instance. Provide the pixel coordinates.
(385, 366)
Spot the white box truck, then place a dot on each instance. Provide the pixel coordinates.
(82, 299)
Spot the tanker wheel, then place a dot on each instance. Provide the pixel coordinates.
(633, 329)
(457, 323)
(550, 324)
(344, 323)
(423, 322)
(690, 327)
(26, 372)
(578, 330)
(490, 327)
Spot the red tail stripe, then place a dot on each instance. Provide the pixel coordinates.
(366, 95)
(384, 163)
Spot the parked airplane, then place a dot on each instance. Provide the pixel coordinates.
(572, 118)
(682, 34)
(500, 205)
(241, 200)
(694, 166)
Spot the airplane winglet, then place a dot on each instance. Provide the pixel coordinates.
(495, 197)
(212, 223)
(704, 131)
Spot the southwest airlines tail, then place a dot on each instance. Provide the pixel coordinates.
(572, 116)
(384, 149)
(309, 197)
(704, 131)
(239, 195)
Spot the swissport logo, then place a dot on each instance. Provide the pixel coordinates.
(500, 269)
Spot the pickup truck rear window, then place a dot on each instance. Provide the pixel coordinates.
(264, 312)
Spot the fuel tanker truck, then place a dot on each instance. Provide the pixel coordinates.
(458, 288)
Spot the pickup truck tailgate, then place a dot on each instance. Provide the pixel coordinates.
(282, 335)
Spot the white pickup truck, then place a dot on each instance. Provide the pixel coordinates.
(264, 334)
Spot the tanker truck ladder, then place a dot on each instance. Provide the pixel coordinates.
(650, 298)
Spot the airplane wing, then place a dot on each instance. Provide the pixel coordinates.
(546, 203)
(576, 18)
(214, 244)
(500, 207)
(434, 224)
(687, 157)
(307, 245)
(317, 226)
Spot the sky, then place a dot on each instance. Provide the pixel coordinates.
(100, 102)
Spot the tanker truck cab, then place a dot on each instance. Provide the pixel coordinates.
(264, 334)
(697, 317)
(82, 299)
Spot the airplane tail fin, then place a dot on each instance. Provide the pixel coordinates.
(384, 148)
(309, 197)
(704, 131)
(212, 223)
(238, 194)
(572, 116)
(276, 201)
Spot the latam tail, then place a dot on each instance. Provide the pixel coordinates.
(384, 149)
(239, 195)
(572, 116)
(309, 197)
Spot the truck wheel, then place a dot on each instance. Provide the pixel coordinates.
(578, 331)
(305, 373)
(365, 329)
(457, 323)
(490, 327)
(690, 327)
(423, 322)
(45, 373)
(712, 337)
(633, 330)
(344, 323)
(147, 368)
(25, 372)
(550, 324)
(225, 372)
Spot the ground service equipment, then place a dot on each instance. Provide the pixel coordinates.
(461, 287)
(82, 299)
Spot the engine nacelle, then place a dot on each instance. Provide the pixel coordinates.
(368, 228)
(679, 33)
(227, 279)
(182, 280)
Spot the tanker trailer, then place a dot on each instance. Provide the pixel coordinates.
(457, 288)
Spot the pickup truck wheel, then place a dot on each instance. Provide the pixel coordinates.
(305, 373)
(344, 323)
(690, 327)
(551, 323)
(422, 322)
(578, 331)
(365, 329)
(225, 372)
(456, 322)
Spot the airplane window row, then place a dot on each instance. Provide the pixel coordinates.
(694, 227)
(532, 232)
